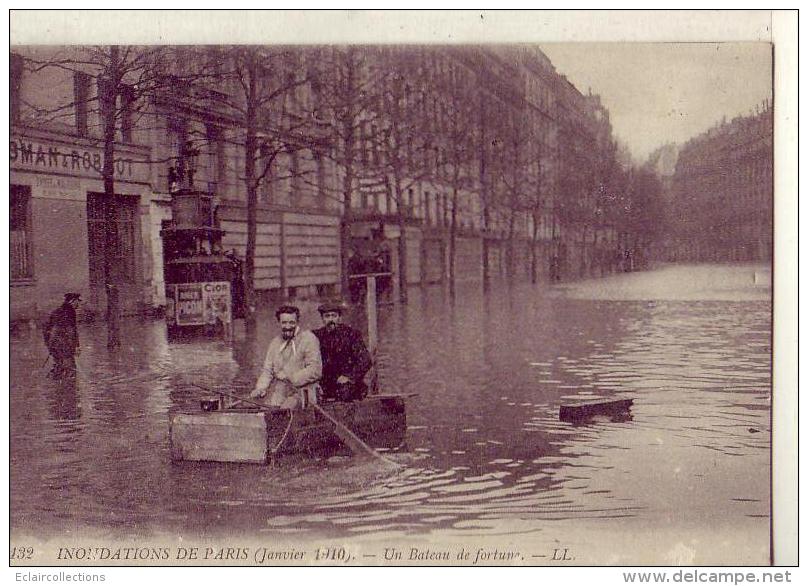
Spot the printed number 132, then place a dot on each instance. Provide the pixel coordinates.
(21, 553)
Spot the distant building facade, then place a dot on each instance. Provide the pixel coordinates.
(58, 208)
(722, 193)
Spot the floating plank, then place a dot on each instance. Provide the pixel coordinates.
(581, 411)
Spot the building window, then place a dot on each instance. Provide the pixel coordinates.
(16, 68)
(295, 197)
(374, 149)
(22, 266)
(365, 140)
(322, 195)
(217, 161)
(81, 98)
(127, 112)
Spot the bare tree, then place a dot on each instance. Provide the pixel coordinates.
(405, 142)
(126, 76)
(460, 152)
(512, 168)
(488, 144)
(260, 85)
(536, 199)
(345, 93)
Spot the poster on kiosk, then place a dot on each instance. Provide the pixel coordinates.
(198, 304)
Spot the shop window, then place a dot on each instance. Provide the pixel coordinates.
(22, 266)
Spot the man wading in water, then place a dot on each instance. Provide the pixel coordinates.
(292, 367)
(62, 337)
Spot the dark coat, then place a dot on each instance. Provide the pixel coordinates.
(61, 332)
(344, 353)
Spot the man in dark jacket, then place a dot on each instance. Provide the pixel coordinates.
(346, 359)
(62, 337)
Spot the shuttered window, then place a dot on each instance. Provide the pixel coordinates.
(20, 243)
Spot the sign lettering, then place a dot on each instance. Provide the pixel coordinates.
(199, 303)
(31, 154)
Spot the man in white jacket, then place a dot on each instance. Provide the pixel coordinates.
(293, 365)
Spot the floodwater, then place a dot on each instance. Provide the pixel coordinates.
(685, 479)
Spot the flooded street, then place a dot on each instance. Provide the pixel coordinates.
(485, 451)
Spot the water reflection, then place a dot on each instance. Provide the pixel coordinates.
(487, 453)
(63, 400)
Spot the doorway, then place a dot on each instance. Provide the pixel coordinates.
(123, 255)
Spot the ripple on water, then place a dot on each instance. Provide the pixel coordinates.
(485, 447)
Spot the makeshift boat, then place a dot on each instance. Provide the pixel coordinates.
(254, 435)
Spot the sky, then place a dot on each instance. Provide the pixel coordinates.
(658, 93)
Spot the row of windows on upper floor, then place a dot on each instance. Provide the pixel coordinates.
(88, 105)
(435, 110)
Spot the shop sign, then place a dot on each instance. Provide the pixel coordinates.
(37, 155)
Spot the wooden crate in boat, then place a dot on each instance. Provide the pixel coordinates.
(254, 436)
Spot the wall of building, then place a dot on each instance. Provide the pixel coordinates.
(159, 212)
(311, 246)
(294, 250)
(61, 170)
(268, 242)
(722, 193)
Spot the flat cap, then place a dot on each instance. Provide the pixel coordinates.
(333, 305)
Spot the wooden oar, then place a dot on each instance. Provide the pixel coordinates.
(350, 439)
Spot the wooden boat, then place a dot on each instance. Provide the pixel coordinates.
(253, 435)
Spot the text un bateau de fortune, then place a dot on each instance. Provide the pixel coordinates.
(263, 555)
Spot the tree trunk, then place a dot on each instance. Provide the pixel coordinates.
(510, 252)
(485, 195)
(250, 151)
(453, 240)
(345, 232)
(347, 180)
(534, 278)
(402, 247)
(583, 251)
(110, 209)
(486, 268)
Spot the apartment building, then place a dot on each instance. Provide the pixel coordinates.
(722, 192)
(423, 141)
